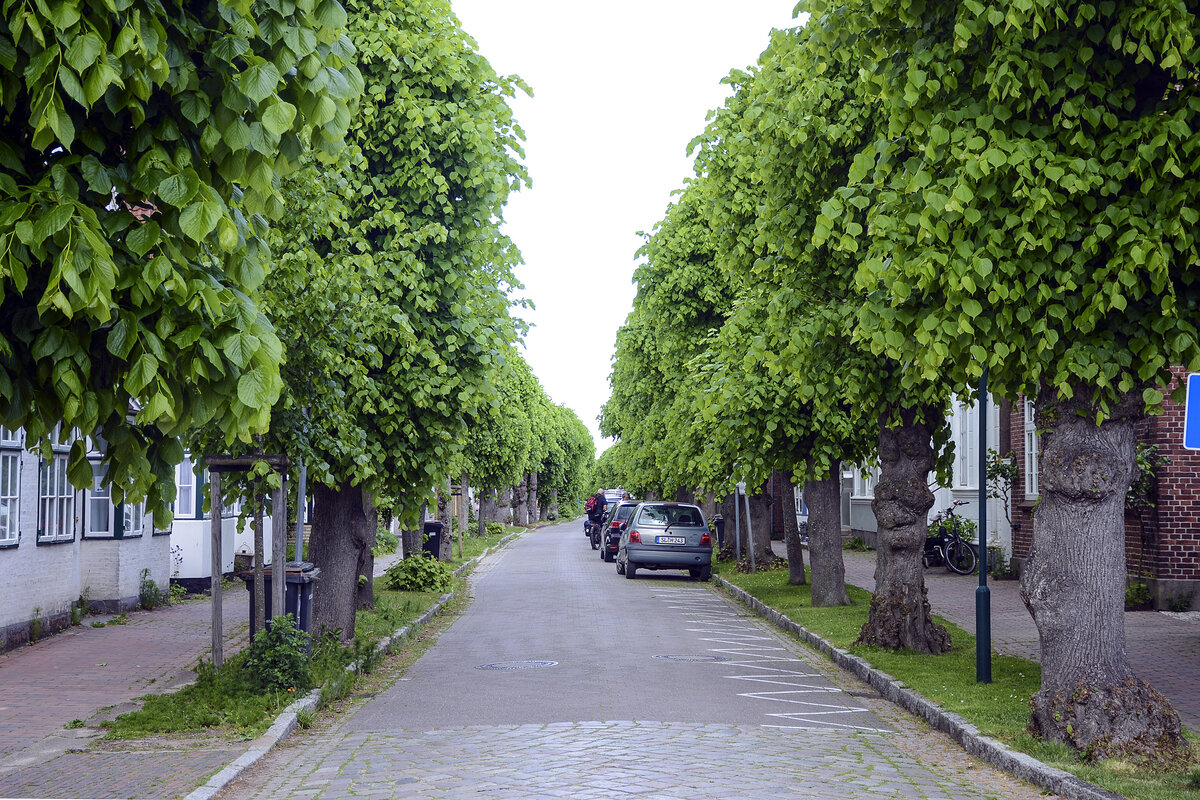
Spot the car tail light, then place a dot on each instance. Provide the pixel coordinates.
(634, 536)
(706, 540)
(615, 524)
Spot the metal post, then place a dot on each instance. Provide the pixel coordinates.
(218, 637)
(301, 509)
(983, 597)
(279, 519)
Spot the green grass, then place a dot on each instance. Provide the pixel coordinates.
(999, 709)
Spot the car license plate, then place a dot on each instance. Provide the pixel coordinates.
(669, 540)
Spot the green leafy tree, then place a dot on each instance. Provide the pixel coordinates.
(563, 475)
(1032, 209)
(404, 323)
(140, 159)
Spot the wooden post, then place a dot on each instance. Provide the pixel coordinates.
(218, 636)
(464, 512)
(260, 581)
(279, 533)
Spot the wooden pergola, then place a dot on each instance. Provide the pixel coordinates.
(217, 465)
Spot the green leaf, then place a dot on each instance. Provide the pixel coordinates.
(253, 389)
(141, 373)
(178, 190)
(84, 51)
(198, 219)
(279, 117)
(144, 237)
(122, 337)
(259, 82)
(52, 222)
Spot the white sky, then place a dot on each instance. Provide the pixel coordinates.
(620, 89)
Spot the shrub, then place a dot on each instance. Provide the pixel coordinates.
(386, 542)
(277, 660)
(149, 595)
(419, 573)
(494, 528)
(857, 545)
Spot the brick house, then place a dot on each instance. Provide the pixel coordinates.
(1163, 543)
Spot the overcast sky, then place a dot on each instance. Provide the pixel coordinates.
(620, 88)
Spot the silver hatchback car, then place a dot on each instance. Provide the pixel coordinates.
(661, 535)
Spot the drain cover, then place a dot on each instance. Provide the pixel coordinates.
(518, 665)
(695, 659)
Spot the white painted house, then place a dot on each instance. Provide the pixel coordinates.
(60, 545)
(964, 430)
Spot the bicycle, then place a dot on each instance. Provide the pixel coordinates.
(947, 543)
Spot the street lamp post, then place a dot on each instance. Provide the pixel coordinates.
(983, 597)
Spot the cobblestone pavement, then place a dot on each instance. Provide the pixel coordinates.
(89, 674)
(1163, 649)
(655, 687)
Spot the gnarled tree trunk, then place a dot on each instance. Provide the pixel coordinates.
(534, 510)
(552, 509)
(824, 499)
(504, 509)
(899, 615)
(343, 527)
(521, 501)
(1074, 586)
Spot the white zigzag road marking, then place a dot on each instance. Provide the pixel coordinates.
(824, 726)
(773, 681)
(814, 690)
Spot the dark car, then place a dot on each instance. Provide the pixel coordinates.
(610, 531)
(666, 536)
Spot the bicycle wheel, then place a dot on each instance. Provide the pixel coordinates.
(960, 557)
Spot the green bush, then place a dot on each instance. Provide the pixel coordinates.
(149, 595)
(386, 542)
(277, 660)
(419, 573)
(494, 528)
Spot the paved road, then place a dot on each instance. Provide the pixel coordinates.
(563, 680)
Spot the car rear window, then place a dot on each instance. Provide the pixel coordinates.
(623, 512)
(675, 515)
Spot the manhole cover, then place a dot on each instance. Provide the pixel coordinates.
(695, 659)
(518, 665)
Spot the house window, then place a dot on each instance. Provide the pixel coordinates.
(185, 496)
(56, 502)
(100, 516)
(966, 429)
(10, 438)
(10, 497)
(134, 519)
(864, 482)
(1031, 452)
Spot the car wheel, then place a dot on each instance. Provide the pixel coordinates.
(595, 543)
(630, 571)
(705, 573)
(620, 568)
(607, 556)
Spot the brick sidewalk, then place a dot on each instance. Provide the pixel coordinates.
(1162, 650)
(81, 674)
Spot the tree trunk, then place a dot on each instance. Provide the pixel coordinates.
(760, 516)
(552, 509)
(824, 499)
(534, 510)
(1074, 586)
(343, 526)
(521, 501)
(464, 512)
(412, 541)
(791, 531)
(685, 496)
(899, 615)
(489, 509)
(504, 510)
(445, 548)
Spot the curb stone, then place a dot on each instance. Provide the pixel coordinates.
(288, 720)
(960, 730)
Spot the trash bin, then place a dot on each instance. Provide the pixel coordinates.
(433, 538)
(719, 524)
(300, 577)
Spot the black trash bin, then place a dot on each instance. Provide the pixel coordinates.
(719, 524)
(300, 578)
(433, 538)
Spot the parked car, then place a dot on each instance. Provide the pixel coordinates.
(666, 536)
(610, 532)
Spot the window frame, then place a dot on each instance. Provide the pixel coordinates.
(52, 475)
(1032, 451)
(11, 455)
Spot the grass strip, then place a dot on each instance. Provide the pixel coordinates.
(999, 709)
(226, 703)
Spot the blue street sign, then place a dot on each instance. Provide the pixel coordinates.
(1191, 414)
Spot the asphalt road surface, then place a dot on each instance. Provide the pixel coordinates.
(564, 680)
